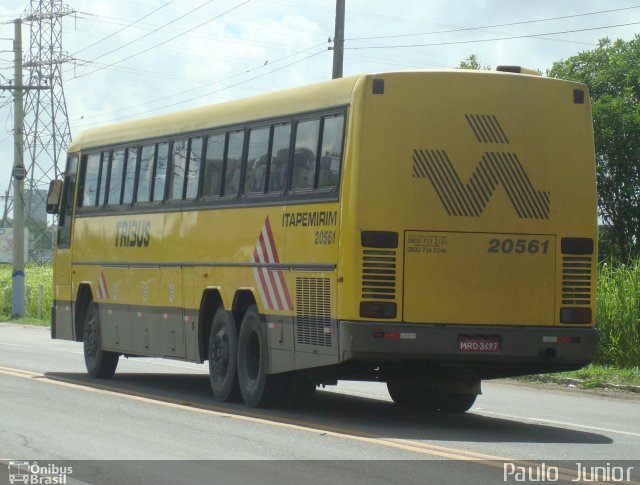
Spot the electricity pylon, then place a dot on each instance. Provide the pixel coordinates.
(46, 121)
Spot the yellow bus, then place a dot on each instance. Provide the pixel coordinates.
(426, 229)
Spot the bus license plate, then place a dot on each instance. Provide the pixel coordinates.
(479, 344)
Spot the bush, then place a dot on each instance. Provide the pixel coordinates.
(35, 277)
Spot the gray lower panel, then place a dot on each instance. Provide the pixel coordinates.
(393, 341)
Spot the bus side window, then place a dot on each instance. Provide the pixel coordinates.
(304, 156)
(90, 182)
(65, 217)
(104, 175)
(130, 175)
(257, 157)
(115, 179)
(214, 164)
(178, 167)
(331, 152)
(145, 172)
(279, 157)
(193, 170)
(233, 165)
(160, 176)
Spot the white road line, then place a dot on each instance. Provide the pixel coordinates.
(535, 420)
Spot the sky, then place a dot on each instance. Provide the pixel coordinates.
(133, 59)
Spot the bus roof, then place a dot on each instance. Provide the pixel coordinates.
(296, 100)
(337, 92)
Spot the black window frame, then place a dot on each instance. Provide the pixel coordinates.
(239, 198)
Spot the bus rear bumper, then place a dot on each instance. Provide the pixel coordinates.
(524, 349)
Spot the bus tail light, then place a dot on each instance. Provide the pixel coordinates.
(576, 245)
(575, 315)
(378, 309)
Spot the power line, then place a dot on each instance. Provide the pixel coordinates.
(255, 25)
(165, 41)
(181, 92)
(208, 93)
(491, 40)
(510, 24)
(152, 32)
(125, 27)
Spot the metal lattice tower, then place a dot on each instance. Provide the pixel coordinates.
(46, 122)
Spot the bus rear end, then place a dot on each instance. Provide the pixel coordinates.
(473, 243)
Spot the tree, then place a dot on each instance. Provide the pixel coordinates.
(472, 62)
(612, 73)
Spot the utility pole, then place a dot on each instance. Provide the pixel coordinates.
(19, 172)
(338, 40)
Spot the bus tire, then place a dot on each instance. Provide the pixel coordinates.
(449, 402)
(100, 363)
(258, 388)
(223, 351)
(411, 395)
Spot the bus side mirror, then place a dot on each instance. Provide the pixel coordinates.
(53, 197)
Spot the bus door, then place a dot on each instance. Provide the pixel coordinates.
(63, 294)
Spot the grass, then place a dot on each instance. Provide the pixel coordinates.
(36, 277)
(619, 315)
(592, 376)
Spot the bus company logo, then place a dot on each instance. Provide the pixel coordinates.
(270, 282)
(32, 473)
(494, 169)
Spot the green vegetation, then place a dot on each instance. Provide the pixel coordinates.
(592, 376)
(36, 276)
(611, 71)
(619, 314)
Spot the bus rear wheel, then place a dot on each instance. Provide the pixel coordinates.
(223, 350)
(449, 402)
(258, 388)
(429, 400)
(410, 395)
(100, 363)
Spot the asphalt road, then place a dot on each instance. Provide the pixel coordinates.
(155, 422)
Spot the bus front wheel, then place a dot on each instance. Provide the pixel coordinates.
(258, 388)
(100, 363)
(223, 350)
